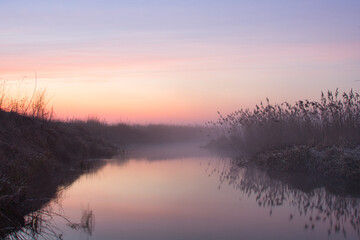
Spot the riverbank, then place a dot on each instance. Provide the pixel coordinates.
(36, 156)
(308, 137)
(330, 162)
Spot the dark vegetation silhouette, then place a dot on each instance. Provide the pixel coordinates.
(41, 224)
(135, 134)
(27, 214)
(320, 137)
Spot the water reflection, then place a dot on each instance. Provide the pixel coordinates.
(174, 192)
(35, 218)
(87, 222)
(42, 224)
(38, 224)
(340, 210)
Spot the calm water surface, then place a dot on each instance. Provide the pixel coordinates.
(183, 192)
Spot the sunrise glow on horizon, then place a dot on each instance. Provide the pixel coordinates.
(178, 61)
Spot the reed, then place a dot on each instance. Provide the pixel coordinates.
(312, 136)
(334, 120)
(35, 106)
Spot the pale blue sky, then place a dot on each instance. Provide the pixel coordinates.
(246, 21)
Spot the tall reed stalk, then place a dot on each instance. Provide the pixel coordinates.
(334, 120)
(36, 106)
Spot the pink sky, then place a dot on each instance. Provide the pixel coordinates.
(164, 67)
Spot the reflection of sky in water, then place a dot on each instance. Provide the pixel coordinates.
(181, 198)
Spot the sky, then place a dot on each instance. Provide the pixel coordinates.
(160, 61)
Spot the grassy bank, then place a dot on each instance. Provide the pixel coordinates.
(320, 137)
(36, 155)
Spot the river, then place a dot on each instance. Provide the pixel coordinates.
(180, 191)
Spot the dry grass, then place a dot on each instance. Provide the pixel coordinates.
(310, 136)
(333, 120)
(35, 106)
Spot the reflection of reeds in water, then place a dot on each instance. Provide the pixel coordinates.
(340, 212)
(87, 223)
(37, 225)
(41, 224)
